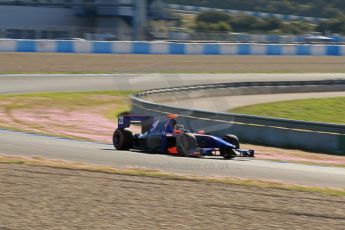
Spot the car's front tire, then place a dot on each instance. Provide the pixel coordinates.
(228, 153)
(123, 139)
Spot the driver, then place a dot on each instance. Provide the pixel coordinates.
(179, 128)
(169, 129)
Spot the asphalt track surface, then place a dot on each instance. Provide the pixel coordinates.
(24, 83)
(16, 143)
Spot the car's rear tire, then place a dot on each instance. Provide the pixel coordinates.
(123, 139)
(232, 139)
(186, 144)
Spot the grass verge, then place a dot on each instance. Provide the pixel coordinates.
(329, 110)
(70, 101)
(59, 164)
(63, 114)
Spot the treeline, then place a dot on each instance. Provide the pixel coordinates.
(310, 8)
(218, 21)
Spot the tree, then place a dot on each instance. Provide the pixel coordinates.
(218, 21)
(310, 8)
(334, 25)
(213, 17)
(243, 23)
(220, 26)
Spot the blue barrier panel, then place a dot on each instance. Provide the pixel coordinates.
(243, 37)
(300, 39)
(102, 47)
(26, 46)
(244, 49)
(141, 48)
(303, 50)
(211, 49)
(340, 39)
(316, 20)
(337, 38)
(65, 47)
(177, 48)
(274, 50)
(257, 14)
(333, 50)
(273, 38)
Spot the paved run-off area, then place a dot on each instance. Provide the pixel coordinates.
(90, 200)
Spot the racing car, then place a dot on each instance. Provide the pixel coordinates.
(164, 135)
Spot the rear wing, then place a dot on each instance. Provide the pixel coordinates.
(144, 121)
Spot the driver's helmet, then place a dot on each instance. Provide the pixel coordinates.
(179, 127)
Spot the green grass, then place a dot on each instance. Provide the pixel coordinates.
(329, 110)
(69, 101)
(65, 100)
(116, 101)
(65, 95)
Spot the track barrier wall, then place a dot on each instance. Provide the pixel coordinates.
(129, 47)
(310, 136)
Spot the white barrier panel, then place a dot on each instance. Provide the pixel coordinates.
(121, 48)
(289, 50)
(83, 47)
(159, 48)
(318, 50)
(46, 46)
(259, 49)
(8, 45)
(228, 49)
(194, 48)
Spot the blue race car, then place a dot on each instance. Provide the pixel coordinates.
(166, 136)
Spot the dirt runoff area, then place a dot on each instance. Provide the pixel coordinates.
(34, 197)
(108, 63)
